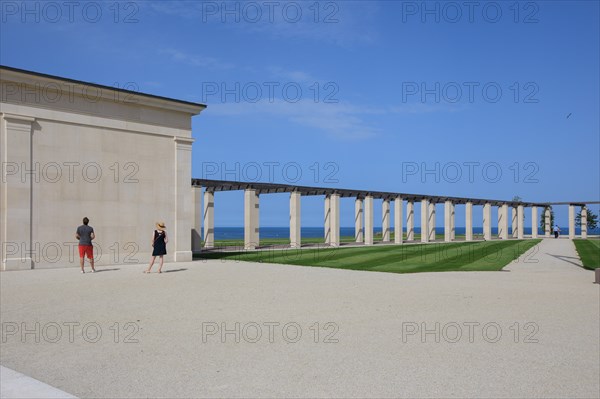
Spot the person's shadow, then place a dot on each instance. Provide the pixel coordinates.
(174, 270)
(106, 270)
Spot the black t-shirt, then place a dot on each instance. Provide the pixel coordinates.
(85, 234)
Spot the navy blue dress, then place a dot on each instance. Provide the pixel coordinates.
(160, 248)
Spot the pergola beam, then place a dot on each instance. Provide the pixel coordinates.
(275, 188)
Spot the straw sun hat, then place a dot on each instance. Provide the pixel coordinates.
(160, 225)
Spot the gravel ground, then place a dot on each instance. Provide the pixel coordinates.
(236, 329)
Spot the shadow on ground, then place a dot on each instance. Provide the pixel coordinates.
(565, 259)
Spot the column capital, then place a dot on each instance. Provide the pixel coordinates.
(183, 140)
(183, 143)
(18, 122)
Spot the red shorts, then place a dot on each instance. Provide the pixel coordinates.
(86, 250)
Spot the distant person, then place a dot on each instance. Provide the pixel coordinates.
(85, 235)
(556, 231)
(159, 243)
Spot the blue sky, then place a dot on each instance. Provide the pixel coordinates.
(350, 94)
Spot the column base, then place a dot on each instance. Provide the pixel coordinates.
(18, 264)
(183, 256)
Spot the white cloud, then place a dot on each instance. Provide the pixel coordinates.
(343, 23)
(337, 120)
(295, 76)
(342, 121)
(196, 60)
(422, 108)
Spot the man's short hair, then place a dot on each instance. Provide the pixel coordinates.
(86, 221)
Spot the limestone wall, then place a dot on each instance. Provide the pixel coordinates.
(123, 160)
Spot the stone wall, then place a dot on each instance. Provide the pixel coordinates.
(69, 150)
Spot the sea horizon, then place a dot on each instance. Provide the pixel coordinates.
(231, 233)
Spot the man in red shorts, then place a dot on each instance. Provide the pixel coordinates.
(85, 235)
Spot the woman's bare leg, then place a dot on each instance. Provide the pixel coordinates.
(161, 264)
(151, 264)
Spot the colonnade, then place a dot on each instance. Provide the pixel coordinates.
(364, 218)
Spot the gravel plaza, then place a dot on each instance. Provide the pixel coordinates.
(237, 329)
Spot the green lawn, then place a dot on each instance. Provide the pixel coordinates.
(589, 252)
(436, 257)
(318, 240)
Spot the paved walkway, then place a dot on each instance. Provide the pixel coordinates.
(532, 331)
(17, 385)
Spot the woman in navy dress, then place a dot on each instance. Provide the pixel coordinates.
(159, 243)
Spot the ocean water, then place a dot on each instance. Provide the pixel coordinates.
(237, 233)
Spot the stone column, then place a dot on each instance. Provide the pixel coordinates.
(425, 220)
(295, 213)
(358, 220)
(16, 192)
(584, 222)
(335, 220)
(534, 221)
(368, 220)
(503, 221)
(469, 221)
(547, 227)
(251, 219)
(520, 221)
(196, 220)
(448, 221)
(385, 220)
(571, 222)
(453, 223)
(398, 220)
(432, 221)
(327, 220)
(487, 221)
(183, 199)
(514, 222)
(209, 219)
(500, 219)
(410, 220)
